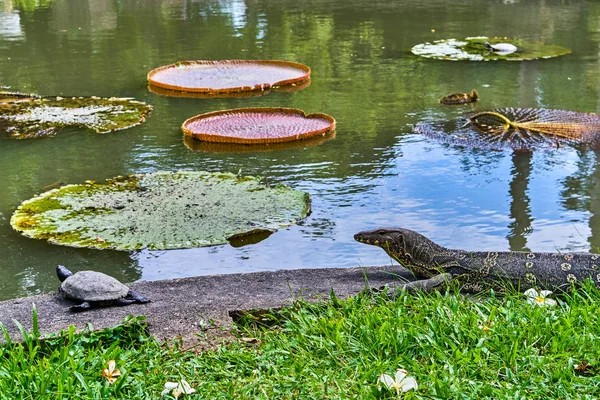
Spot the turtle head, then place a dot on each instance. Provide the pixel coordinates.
(62, 272)
(403, 245)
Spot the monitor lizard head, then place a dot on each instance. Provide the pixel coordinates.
(411, 249)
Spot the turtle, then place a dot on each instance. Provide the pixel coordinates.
(502, 49)
(95, 289)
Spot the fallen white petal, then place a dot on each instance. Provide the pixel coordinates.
(409, 383)
(531, 292)
(387, 381)
(400, 374)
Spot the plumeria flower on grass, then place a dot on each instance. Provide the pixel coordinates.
(177, 388)
(401, 382)
(111, 373)
(486, 326)
(539, 298)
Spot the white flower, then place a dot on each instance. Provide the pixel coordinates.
(401, 382)
(539, 298)
(177, 388)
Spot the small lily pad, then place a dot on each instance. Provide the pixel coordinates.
(25, 116)
(474, 49)
(162, 210)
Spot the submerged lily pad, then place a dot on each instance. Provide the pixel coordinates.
(163, 210)
(520, 129)
(474, 49)
(26, 116)
(228, 76)
(258, 125)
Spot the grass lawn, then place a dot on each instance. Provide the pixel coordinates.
(455, 347)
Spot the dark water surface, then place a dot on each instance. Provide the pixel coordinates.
(374, 173)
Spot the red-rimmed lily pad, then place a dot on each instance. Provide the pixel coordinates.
(228, 76)
(293, 87)
(211, 147)
(257, 125)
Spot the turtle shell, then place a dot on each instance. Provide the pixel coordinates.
(93, 286)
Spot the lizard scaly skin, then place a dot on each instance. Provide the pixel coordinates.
(479, 270)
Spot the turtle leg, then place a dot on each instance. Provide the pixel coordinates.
(131, 298)
(81, 307)
(136, 297)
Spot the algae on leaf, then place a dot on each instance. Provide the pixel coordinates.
(474, 49)
(31, 117)
(162, 210)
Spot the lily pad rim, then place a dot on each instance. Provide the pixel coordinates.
(216, 138)
(258, 86)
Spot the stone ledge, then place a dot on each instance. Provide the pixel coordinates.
(180, 307)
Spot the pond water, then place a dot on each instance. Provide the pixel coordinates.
(375, 172)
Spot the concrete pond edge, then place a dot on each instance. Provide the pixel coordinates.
(180, 308)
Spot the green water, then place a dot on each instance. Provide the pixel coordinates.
(374, 173)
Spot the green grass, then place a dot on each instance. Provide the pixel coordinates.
(337, 350)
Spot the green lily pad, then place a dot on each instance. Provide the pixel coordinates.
(162, 210)
(25, 116)
(473, 49)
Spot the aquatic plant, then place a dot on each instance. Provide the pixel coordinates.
(257, 125)
(292, 87)
(227, 76)
(162, 210)
(211, 147)
(475, 49)
(26, 116)
(517, 129)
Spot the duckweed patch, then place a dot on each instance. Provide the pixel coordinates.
(473, 49)
(24, 116)
(163, 210)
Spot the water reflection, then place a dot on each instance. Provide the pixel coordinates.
(520, 211)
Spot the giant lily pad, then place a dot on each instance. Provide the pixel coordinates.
(257, 125)
(228, 76)
(211, 147)
(163, 210)
(27, 116)
(473, 49)
(520, 129)
(293, 87)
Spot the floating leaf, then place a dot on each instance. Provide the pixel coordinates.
(228, 76)
(229, 95)
(210, 147)
(163, 210)
(29, 117)
(474, 49)
(257, 125)
(518, 129)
